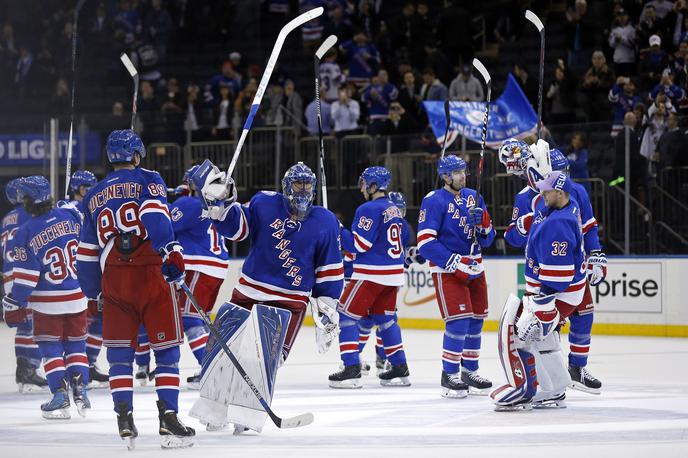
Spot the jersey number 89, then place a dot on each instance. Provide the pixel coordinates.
(125, 219)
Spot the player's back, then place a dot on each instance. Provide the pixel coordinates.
(10, 223)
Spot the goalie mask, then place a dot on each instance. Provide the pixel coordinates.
(514, 155)
(298, 187)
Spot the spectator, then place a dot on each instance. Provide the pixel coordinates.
(637, 165)
(398, 123)
(466, 87)
(222, 129)
(597, 82)
(661, 7)
(60, 102)
(118, 110)
(666, 85)
(159, 27)
(362, 59)
(237, 65)
(577, 155)
(147, 107)
(367, 19)
(649, 25)
(509, 23)
(100, 28)
(22, 76)
(623, 98)
(378, 96)
(293, 104)
(673, 144)
(311, 31)
(312, 117)
(454, 33)
(173, 101)
(622, 39)
(338, 24)
(145, 58)
(404, 34)
(193, 110)
(528, 85)
(432, 88)
(408, 95)
(654, 128)
(242, 103)
(126, 21)
(580, 33)
(272, 101)
(679, 18)
(560, 94)
(331, 77)
(654, 61)
(438, 61)
(345, 113)
(228, 76)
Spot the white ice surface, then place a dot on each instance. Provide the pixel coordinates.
(643, 411)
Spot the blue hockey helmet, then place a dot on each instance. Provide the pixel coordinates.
(399, 200)
(122, 144)
(12, 191)
(298, 187)
(450, 163)
(514, 155)
(82, 178)
(558, 160)
(375, 175)
(36, 188)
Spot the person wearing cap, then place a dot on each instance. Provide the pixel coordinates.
(623, 40)
(654, 61)
(466, 87)
(666, 85)
(623, 98)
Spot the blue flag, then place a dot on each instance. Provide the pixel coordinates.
(511, 116)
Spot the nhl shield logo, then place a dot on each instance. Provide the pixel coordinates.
(161, 336)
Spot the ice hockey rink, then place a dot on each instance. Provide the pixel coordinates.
(643, 411)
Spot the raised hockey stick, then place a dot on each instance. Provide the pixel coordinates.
(447, 118)
(70, 142)
(532, 17)
(488, 82)
(324, 47)
(135, 76)
(286, 30)
(283, 423)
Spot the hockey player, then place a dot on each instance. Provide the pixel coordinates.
(452, 228)
(127, 230)
(529, 344)
(377, 238)
(25, 349)
(528, 204)
(45, 281)
(79, 184)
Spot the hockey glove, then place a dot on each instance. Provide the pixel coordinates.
(597, 267)
(215, 185)
(13, 312)
(480, 220)
(464, 267)
(539, 318)
(182, 190)
(326, 318)
(524, 223)
(413, 255)
(172, 262)
(95, 306)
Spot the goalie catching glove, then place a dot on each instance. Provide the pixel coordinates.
(326, 319)
(218, 191)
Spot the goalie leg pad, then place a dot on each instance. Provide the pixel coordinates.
(553, 374)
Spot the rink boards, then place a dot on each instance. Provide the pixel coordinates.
(645, 296)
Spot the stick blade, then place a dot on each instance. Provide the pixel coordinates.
(482, 70)
(301, 19)
(325, 46)
(297, 421)
(532, 17)
(129, 65)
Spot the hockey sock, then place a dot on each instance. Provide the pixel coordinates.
(365, 327)
(121, 361)
(471, 349)
(94, 338)
(579, 338)
(76, 359)
(531, 374)
(142, 348)
(196, 335)
(167, 376)
(348, 340)
(379, 348)
(452, 344)
(390, 333)
(53, 363)
(25, 347)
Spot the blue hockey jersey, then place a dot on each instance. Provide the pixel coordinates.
(10, 223)
(204, 248)
(44, 263)
(288, 259)
(126, 201)
(554, 255)
(377, 239)
(443, 227)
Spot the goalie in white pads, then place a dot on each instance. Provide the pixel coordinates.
(528, 345)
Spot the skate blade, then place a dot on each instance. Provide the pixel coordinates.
(171, 441)
(473, 391)
(59, 414)
(397, 381)
(82, 409)
(454, 394)
(350, 384)
(212, 427)
(239, 429)
(27, 388)
(543, 405)
(585, 389)
(514, 408)
(130, 442)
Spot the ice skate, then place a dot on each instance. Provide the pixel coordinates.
(27, 378)
(382, 365)
(144, 375)
(126, 426)
(453, 387)
(97, 378)
(58, 407)
(476, 384)
(349, 377)
(365, 368)
(582, 380)
(396, 376)
(83, 404)
(523, 404)
(239, 429)
(212, 427)
(173, 433)
(194, 382)
(557, 401)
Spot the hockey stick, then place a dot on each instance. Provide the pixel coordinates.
(135, 76)
(70, 142)
(447, 118)
(532, 17)
(324, 47)
(283, 423)
(488, 82)
(286, 30)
